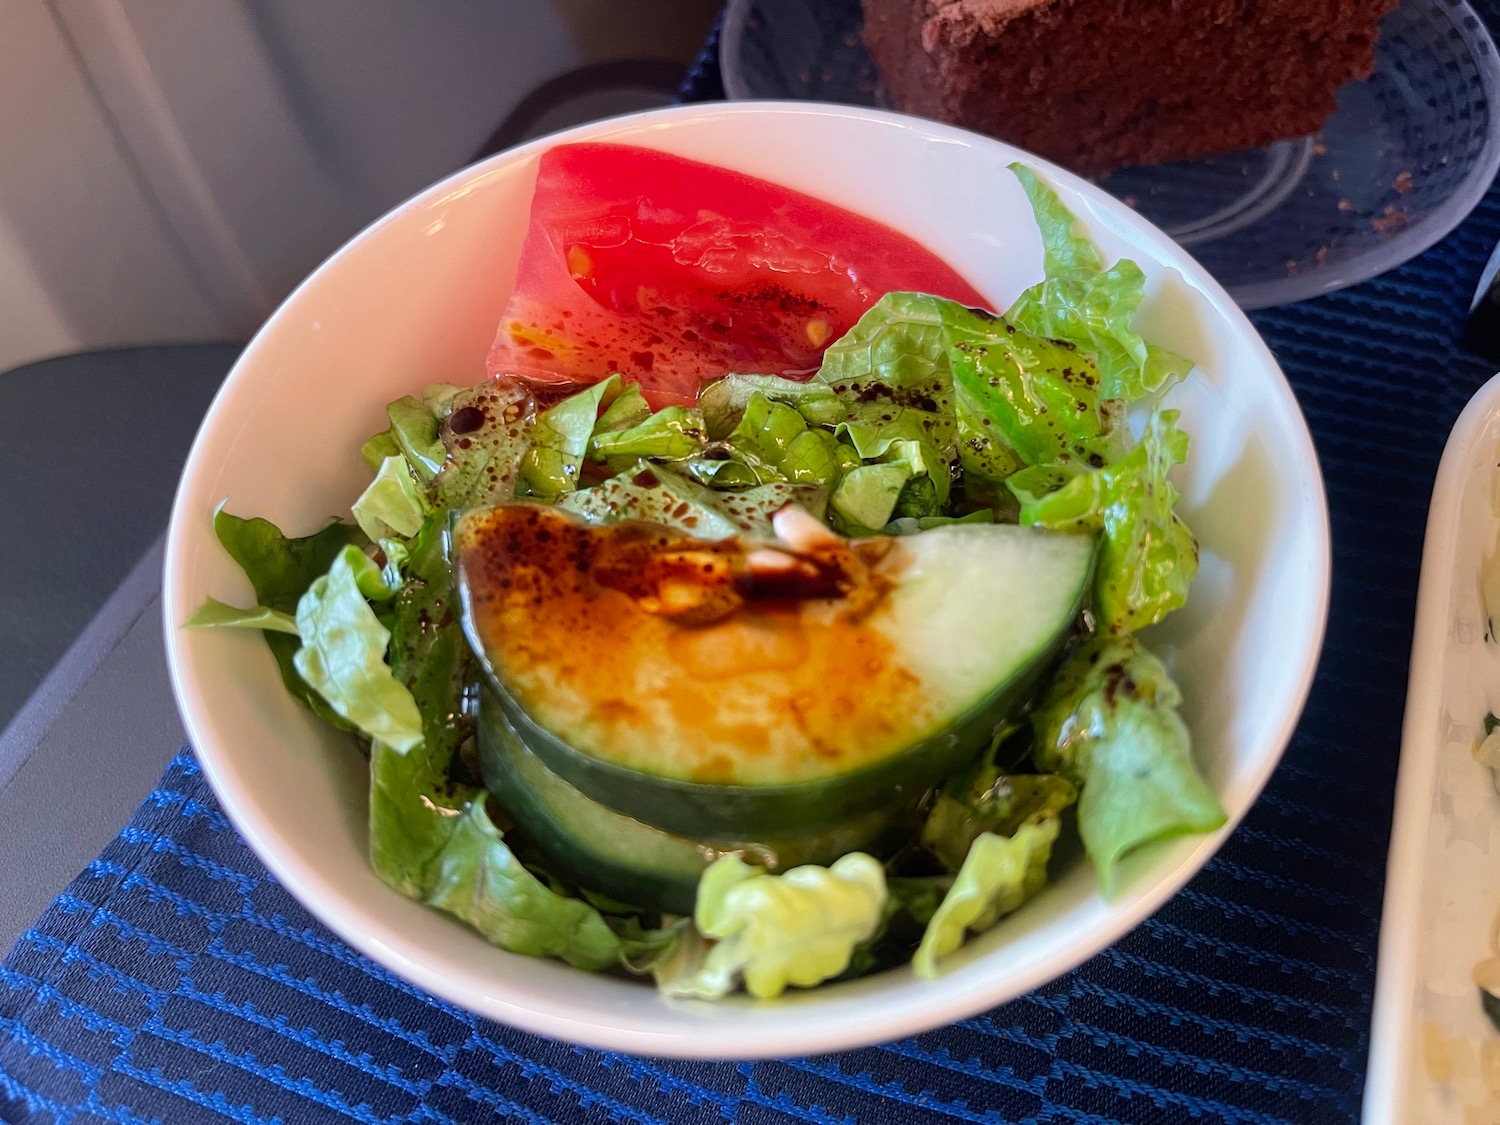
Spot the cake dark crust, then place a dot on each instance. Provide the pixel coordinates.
(1101, 84)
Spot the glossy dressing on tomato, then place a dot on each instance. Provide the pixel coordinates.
(674, 272)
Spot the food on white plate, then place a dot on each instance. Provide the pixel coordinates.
(760, 616)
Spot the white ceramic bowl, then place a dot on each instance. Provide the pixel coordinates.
(415, 299)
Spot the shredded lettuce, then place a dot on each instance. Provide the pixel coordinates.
(775, 437)
(1109, 723)
(414, 427)
(721, 470)
(674, 433)
(629, 409)
(214, 614)
(866, 498)
(486, 433)
(985, 799)
(896, 355)
(280, 571)
(910, 525)
(342, 656)
(1149, 556)
(660, 495)
(378, 448)
(413, 806)
(969, 384)
(477, 878)
(438, 398)
(560, 439)
(392, 504)
(998, 875)
(432, 839)
(724, 401)
(799, 928)
(1084, 304)
(413, 432)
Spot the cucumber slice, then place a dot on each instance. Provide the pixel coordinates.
(771, 716)
(594, 846)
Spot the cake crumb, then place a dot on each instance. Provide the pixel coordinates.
(1319, 148)
(1321, 255)
(1293, 267)
(1335, 174)
(1390, 222)
(1345, 205)
(1402, 183)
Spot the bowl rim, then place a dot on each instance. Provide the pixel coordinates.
(809, 1025)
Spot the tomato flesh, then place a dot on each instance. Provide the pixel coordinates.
(673, 272)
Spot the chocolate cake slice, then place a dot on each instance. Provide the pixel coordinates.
(1100, 84)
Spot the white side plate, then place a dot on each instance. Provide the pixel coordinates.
(1434, 1057)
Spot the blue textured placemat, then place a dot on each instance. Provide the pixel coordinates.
(174, 981)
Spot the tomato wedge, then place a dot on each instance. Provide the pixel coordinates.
(673, 272)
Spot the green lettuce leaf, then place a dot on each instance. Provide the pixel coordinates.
(895, 355)
(414, 427)
(413, 432)
(927, 492)
(799, 928)
(280, 571)
(478, 879)
(560, 439)
(214, 614)
(673, 433)
(775, 436)
(484, 453)
(413, 807)
(396, 552)
(392, 504)
(657, 494)
(998, 875)
(431, 839)
(369, 578)
(892, 373)
(866, 497)
(967, 385)
(910, 904)
(679, 969)
(1149, 556)
(919, 501)
(1088, 306)
(1109, 723)
(1023, 400)
(627, 410)
(640, 948)
(985, 799)
(438, 398)
(379, 447)
(721, 470)
(724, 401)
(342, 656)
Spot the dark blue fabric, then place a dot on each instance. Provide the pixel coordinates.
(174, 981)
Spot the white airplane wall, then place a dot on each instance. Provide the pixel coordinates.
(169, 169)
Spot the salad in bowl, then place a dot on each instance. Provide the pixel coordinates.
(753, 622)
(746, 580)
